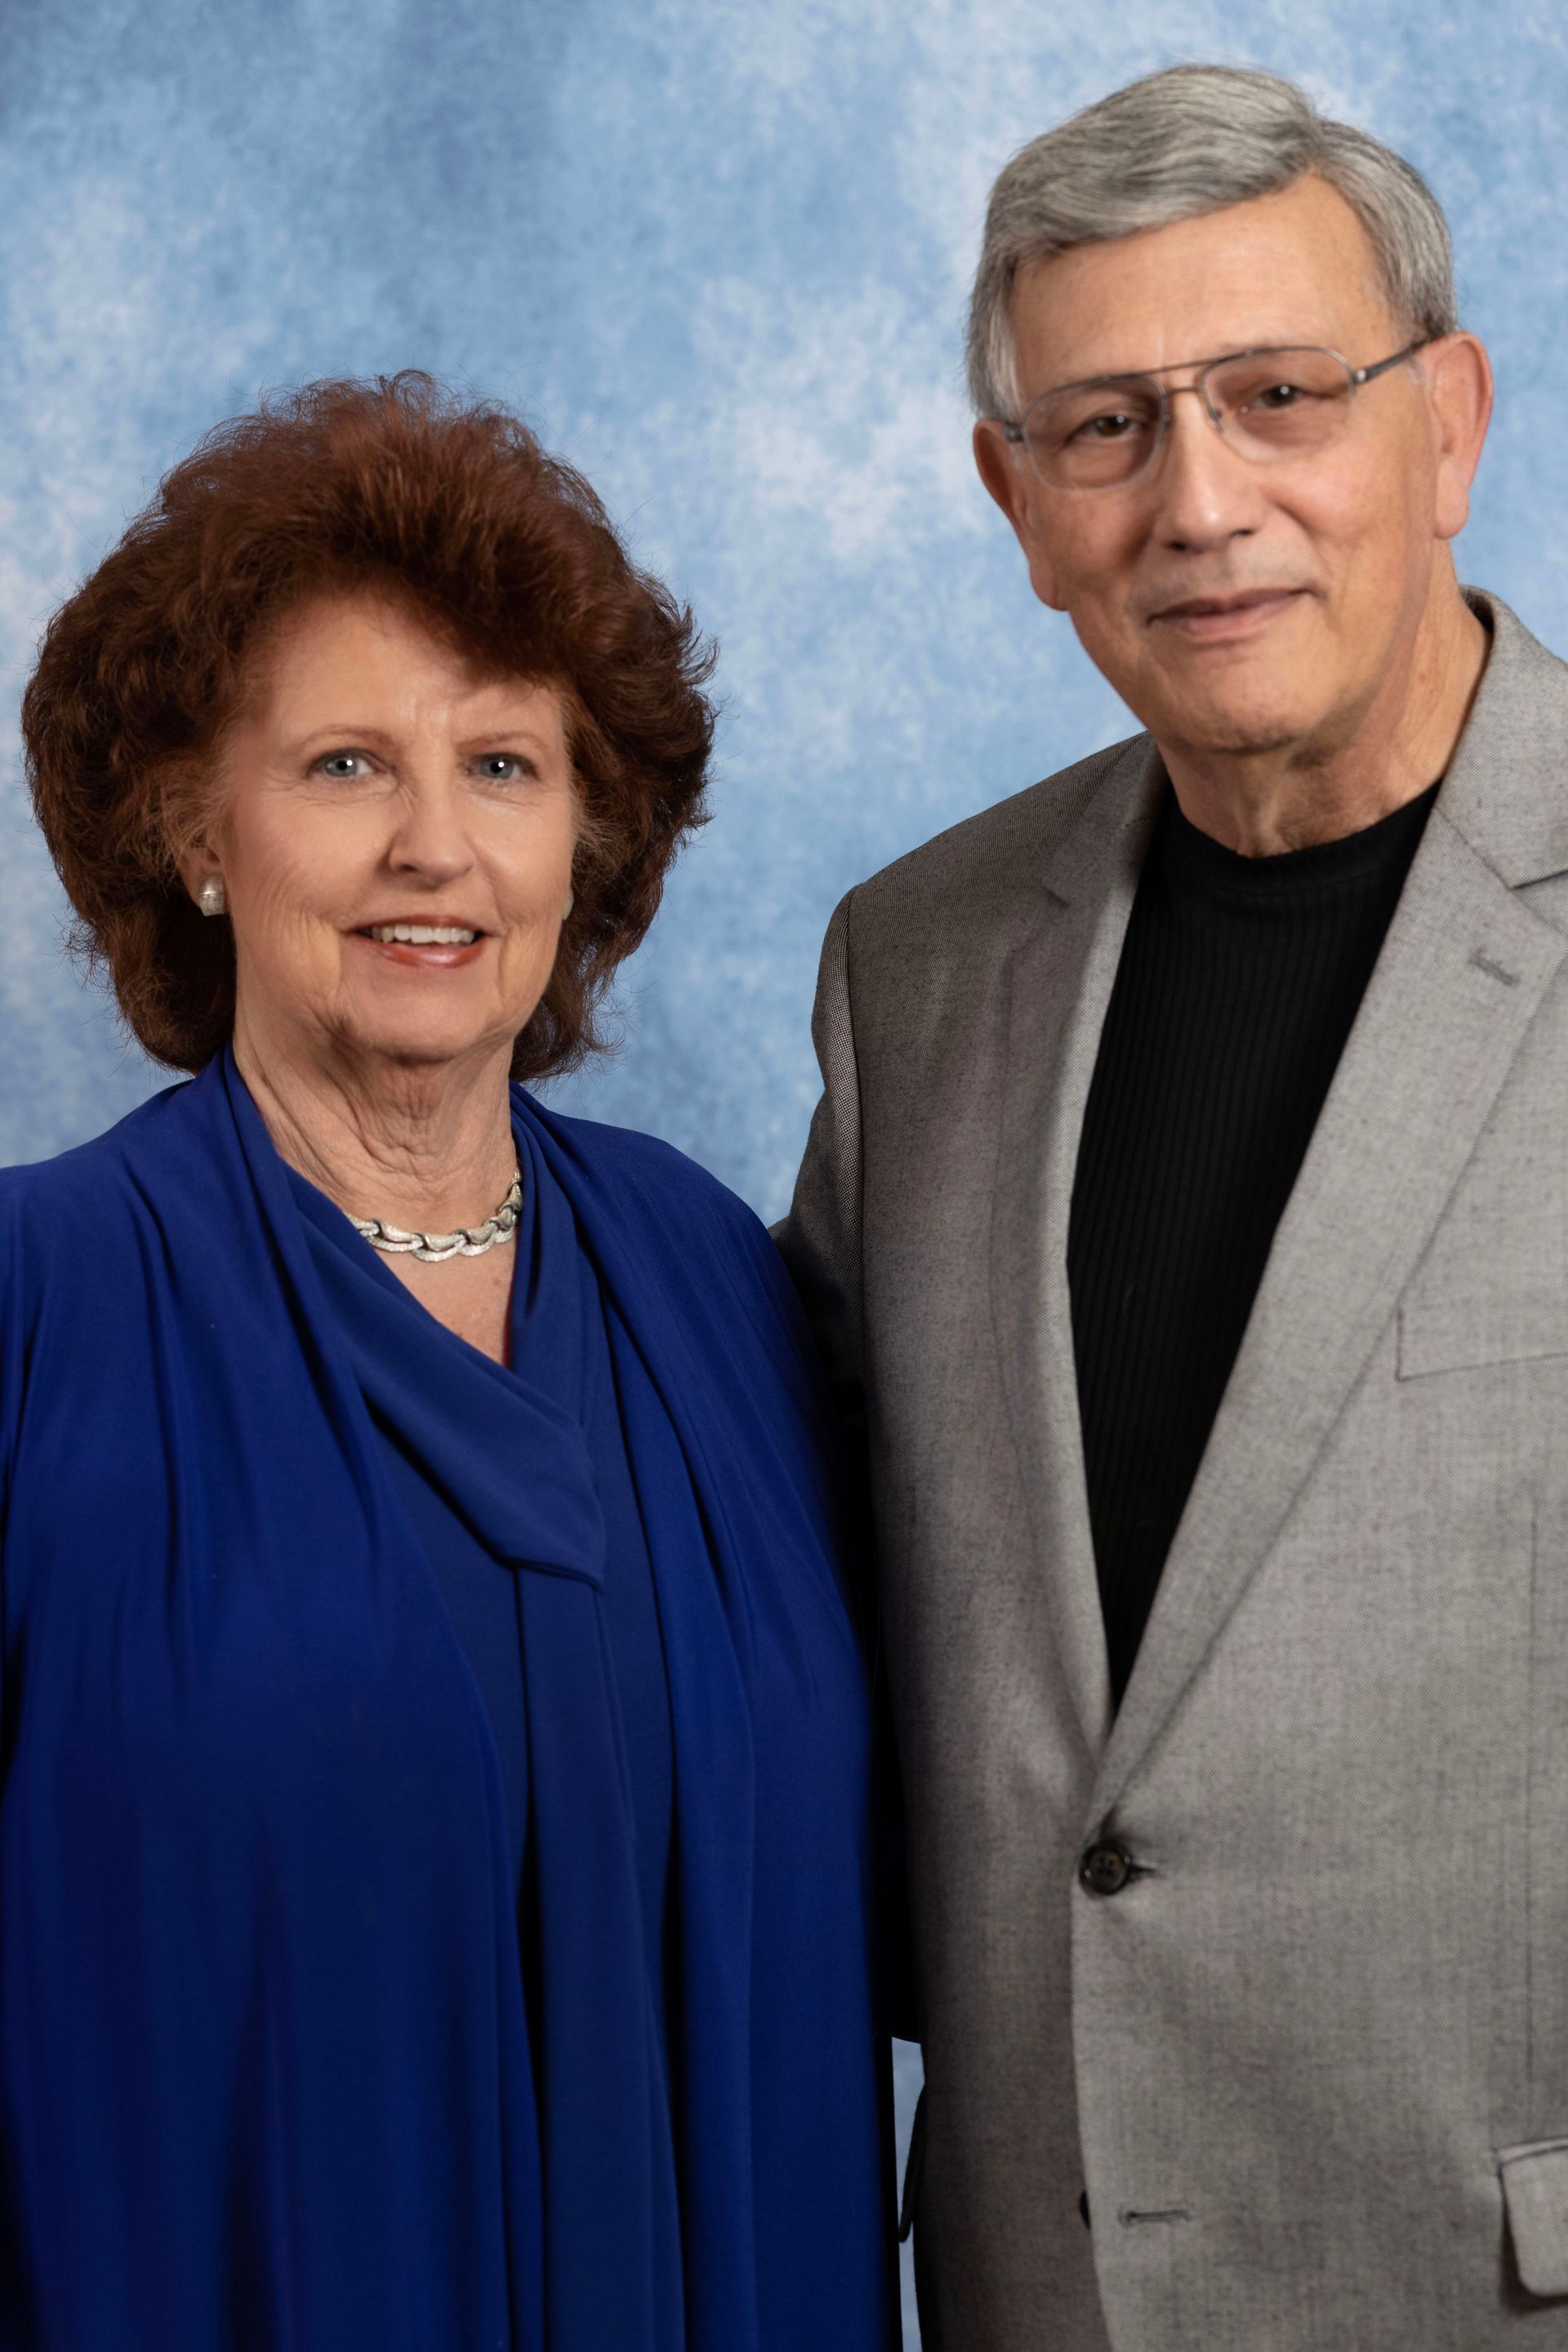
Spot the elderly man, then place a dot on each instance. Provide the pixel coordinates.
(1186, 1218)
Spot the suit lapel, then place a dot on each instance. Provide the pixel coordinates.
(1463, 968)
(1462, 971)
(1058, 981)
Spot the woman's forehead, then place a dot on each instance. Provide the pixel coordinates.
(372, 651)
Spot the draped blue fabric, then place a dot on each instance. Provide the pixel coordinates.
(329, 2014)
(435, 1401)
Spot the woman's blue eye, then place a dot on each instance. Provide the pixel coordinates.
(495, 767)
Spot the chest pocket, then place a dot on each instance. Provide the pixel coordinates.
(1459, 1333)
(1493, 1285)
(1535, 2192)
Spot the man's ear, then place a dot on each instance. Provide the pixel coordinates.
(1009, 483)
(1460, 375)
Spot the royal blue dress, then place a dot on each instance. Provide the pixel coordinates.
(437, 1847)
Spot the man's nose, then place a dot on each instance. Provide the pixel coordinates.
(431, 834)
(1204, 493)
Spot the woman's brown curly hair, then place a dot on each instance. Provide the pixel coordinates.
(393, 484)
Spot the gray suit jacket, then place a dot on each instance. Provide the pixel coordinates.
(1311, 2063)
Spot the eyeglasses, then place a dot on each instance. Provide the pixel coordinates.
(1285, 401)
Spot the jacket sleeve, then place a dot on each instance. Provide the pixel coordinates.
(820, 1238)
(821, 1242)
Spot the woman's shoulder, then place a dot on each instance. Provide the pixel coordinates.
(69, 1268)
(692, 1222)
(645, 1172)
(690, 1250)
(74, 1194)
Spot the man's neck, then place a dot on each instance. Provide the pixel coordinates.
(1260, 803)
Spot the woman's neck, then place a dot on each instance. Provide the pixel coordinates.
(426, 1146)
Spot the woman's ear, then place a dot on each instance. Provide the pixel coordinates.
(200, 872)
(191, 811)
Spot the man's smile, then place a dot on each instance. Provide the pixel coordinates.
(1211, 619)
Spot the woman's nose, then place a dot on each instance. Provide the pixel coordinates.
(431, 834)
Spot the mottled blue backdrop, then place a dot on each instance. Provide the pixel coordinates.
(718, 254)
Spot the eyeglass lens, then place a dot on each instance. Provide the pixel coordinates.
(1268, 404)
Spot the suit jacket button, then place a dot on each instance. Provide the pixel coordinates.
(1105, 1867)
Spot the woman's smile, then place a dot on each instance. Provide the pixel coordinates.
(424, 946)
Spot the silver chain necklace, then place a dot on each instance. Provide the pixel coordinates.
(469, 1241)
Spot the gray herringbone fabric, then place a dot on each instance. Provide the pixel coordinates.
(1312, 2067)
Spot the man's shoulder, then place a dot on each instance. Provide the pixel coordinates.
(989, 856)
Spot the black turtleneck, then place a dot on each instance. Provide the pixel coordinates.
(1238, 983)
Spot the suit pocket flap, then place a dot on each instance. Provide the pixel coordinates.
(1535, 2190)
(1453, 1335)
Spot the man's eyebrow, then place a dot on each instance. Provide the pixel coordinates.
(1168, 367)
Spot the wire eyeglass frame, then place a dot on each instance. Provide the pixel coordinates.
(1018, 433)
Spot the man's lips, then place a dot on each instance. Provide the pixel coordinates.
(1239, 614)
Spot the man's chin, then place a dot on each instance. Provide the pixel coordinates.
(1248, 732)
(1242, 709)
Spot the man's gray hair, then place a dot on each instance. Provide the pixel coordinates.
(1185, 141)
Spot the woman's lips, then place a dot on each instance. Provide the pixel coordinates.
(423, 956)
(1208, 620)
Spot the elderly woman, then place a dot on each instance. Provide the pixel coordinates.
(435, 1842)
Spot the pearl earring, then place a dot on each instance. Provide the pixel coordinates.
(570, 902)
(211, 897)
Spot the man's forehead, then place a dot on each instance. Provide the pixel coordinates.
(1295, 266)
